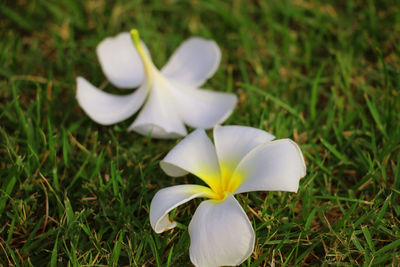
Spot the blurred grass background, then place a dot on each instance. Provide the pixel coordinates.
(324, 73)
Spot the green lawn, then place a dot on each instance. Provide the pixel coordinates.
(327, 75)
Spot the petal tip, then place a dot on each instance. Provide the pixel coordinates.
(156, 131)
(120, 61)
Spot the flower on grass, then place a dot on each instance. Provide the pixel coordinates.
(242, 159)
(171, 96)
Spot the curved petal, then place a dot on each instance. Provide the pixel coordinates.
(220, 234)
(120, 61)
(194, 154)
(105, 108)
(203, 108)
(159, 117)
(168, 199)
(244, 139)
(193, 62)
(274, 166)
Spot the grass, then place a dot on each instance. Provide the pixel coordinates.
(325, 74)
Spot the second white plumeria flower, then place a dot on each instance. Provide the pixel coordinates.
(171, 96)
(242, 159)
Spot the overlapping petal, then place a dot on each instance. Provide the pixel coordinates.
(194, 154)
(159, 117)
(274, 166)
(105, 108)
(120, 61)
(233, 142)
(193, 62)
(169, 198)
(203, 108)
(220, 234)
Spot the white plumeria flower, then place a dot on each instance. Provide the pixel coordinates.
(172, 95)
(243, 159)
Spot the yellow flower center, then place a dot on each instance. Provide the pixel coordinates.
(226, 183)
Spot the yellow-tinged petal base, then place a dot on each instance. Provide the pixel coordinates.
(226, 183)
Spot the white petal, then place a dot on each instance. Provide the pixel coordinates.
(275, 166)
(232, 143)
(220, 234)
(120, 61)
(194, 154)
(193, 62)
(202, 108)
(168, 199)
(159, 117)
(105, 108)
